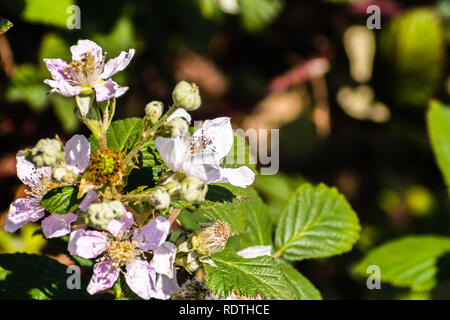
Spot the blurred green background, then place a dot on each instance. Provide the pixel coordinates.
(350, 102)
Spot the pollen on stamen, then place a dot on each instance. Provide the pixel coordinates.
(201, 144)
(121, 250)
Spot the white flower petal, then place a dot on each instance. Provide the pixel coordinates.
(77, 153)
(21, 212)
(28, 173)
(204, 166)
(153, 234)
(57, 225)
(63, 87)
(219, 130)
(180, 113)
(166, 287)
(172, 151)
(122, 224)
(87, 244)
(88, 199)
(117, 64)
(163, 259)
(239, 177)
(83, 46)
(103, 278)
(141, 278)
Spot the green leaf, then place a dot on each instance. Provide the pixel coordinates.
(256, 14)
(124, 133)
(61, 200)
(5, 25)
(239, 155)
(438, 120)
(64, 110)
(30, 276)
(301, 286)
(249, 277)
(318, 222)
(52, 12)
(408, 262)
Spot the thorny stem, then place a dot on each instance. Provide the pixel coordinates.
(146, 134)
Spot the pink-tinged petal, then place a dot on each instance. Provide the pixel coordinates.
(172, 152)
(63, 88)
(87, 244)
(141, 278)
(180, 113)
(203, 165)
(83, 46)
(57, 225)
(103, 278)
(59, 69)
(153, 234)
(239, 177)
(122, 224)
(28, 173)
(88, 199)
(77, 153)
(21, 212)
(220, 132)
(108, 90)
(163, 259)
(255, 251)
(117, 64)
(166, 287)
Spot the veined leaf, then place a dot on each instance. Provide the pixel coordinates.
(317, 222)
(408, 262)
(61, 200)
(123, 134)
(302, 287)
(250, 277)
(438, 120)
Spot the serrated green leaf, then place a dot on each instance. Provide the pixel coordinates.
(123, 134)
(61, 200)
(30, 276)
(5, 25)
(318, 222)
(408, 262)
(438, 121)
(302, 287)
(250, 277)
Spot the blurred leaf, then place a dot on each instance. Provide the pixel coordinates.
(5, 25)
(64, 110)
(438, 121)
(318, 222)
(61, 200)
(301, 286)
(53, 46)
(257, 14)
(25, 240)
(249, 277)
(408, 262)
(26, 86)
(239, 155)
(52, 12)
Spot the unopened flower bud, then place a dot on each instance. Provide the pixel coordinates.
(59, 174)
(154, 110)
(47, 152)
(193, 289)
(186, 95)
(160, 199)
(193, 189)
(211, 237)
(177, 127)
(100, 214)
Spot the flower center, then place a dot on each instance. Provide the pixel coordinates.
(86, 71)
(39, 191)
(105, 166)
(121, 250)
(202, 143)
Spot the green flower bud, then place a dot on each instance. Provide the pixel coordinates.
(100, 214)
(154, 110)
(211, 237)
(160, 199)
(177, 127)
(186, 95)
(193, 189)
(47, 152)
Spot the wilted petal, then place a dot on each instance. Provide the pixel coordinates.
(220, 132)
(22, 211)
(108, 90)
(122, 224)
(163, 259)
(28, 173)
(87, 244)
(180, 113)
(172, 152)
(58, 69)
(57, 225)
(77, 153)
(88, 199)
(239, 177)
(63, 88)
(153, 234)
(141, 278)
(255, 251)
(117, 64)
(103, 278)
(83, 46)
(166, 287)
(204, 166)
